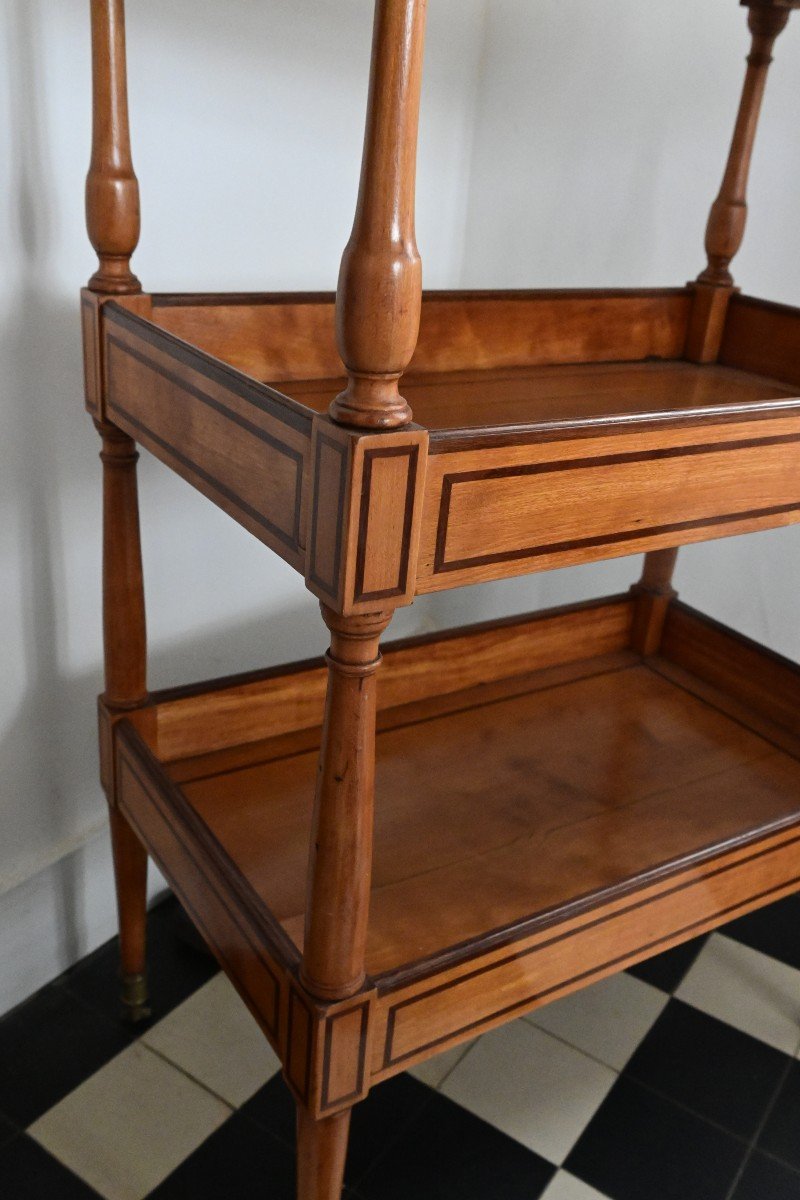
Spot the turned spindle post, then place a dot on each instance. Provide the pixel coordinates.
(380, 283)
(112, 220)
(340, 866)
(728, 217)
(340, 859)
(654, 593)
(112, 190)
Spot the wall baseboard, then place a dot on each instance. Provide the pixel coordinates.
(58, 915)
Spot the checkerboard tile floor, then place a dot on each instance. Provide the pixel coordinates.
(678, 1080)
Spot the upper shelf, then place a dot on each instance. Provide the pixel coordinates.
(550, 428)
(561, 396)
(492, 360)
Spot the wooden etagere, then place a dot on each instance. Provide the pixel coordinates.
(557, 796)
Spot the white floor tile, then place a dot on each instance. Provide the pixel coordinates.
(566, 1187)
(532, 1087)
(129, 1125)
(749, 990)
(213, 1037)
(435, 1070)
(607, 1020)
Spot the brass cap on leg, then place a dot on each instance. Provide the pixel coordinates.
(135, 997)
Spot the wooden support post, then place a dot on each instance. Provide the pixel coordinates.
(125, 656)
(321, 1153)
(112, 190)
(112, 220)
(654, 593)
(124, 633)
(380, 284)
(340, 865)
(340, 860)
(728, 217)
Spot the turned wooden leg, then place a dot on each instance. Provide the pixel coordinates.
(130, 874)
(125, 653)
(321, 1152)
(654, 593)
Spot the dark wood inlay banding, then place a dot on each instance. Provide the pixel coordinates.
(412, 454)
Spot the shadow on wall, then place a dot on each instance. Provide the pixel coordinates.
(48, 443)
(48, 756)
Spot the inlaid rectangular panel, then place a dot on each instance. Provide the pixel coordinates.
(496, 512)
(243, 445)
(366, 508)
(426, 1016)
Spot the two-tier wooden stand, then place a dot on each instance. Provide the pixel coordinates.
(557, 796)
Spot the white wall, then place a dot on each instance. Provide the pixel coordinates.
(601, 134)
(563, 142)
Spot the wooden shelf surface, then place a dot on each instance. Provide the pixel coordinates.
(551, 395)
(554, 787)
(549, 430)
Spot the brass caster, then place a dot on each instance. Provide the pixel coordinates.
(135, 1007)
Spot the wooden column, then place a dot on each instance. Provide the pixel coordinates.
(321, 1154)
(340, 859)
(112, 220)
(654, 593)
(728, 217)
(380, 283)
(112, 190)
(124, 635)
(340, 866)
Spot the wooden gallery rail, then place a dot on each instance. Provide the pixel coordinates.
(558, 796)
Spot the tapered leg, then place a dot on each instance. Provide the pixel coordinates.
(130, 873)
(125, 656)
(654, 593)
(321, 1152)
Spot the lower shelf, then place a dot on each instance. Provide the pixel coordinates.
(497, 812)
(550, 807)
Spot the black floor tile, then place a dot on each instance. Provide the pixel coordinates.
(709, 1067)
(781, 1134)
(7, 1130)
(447, 1153)
(772, 930)
(48, 1046)
(640, 1145)
(27, 1172)
(375, 1124)
(666, 971)
(382, 1119)
(273, 1109)
(177, 966)
(238, 1162)
(766, 1179)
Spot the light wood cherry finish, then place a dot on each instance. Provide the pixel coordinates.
(654, 593)
(112, 219)
(380, 284)
(340, 857)
(728, 217)
(112, 190)
(680, 812)
(387, 862)
(321, 1153)
(729, 212)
